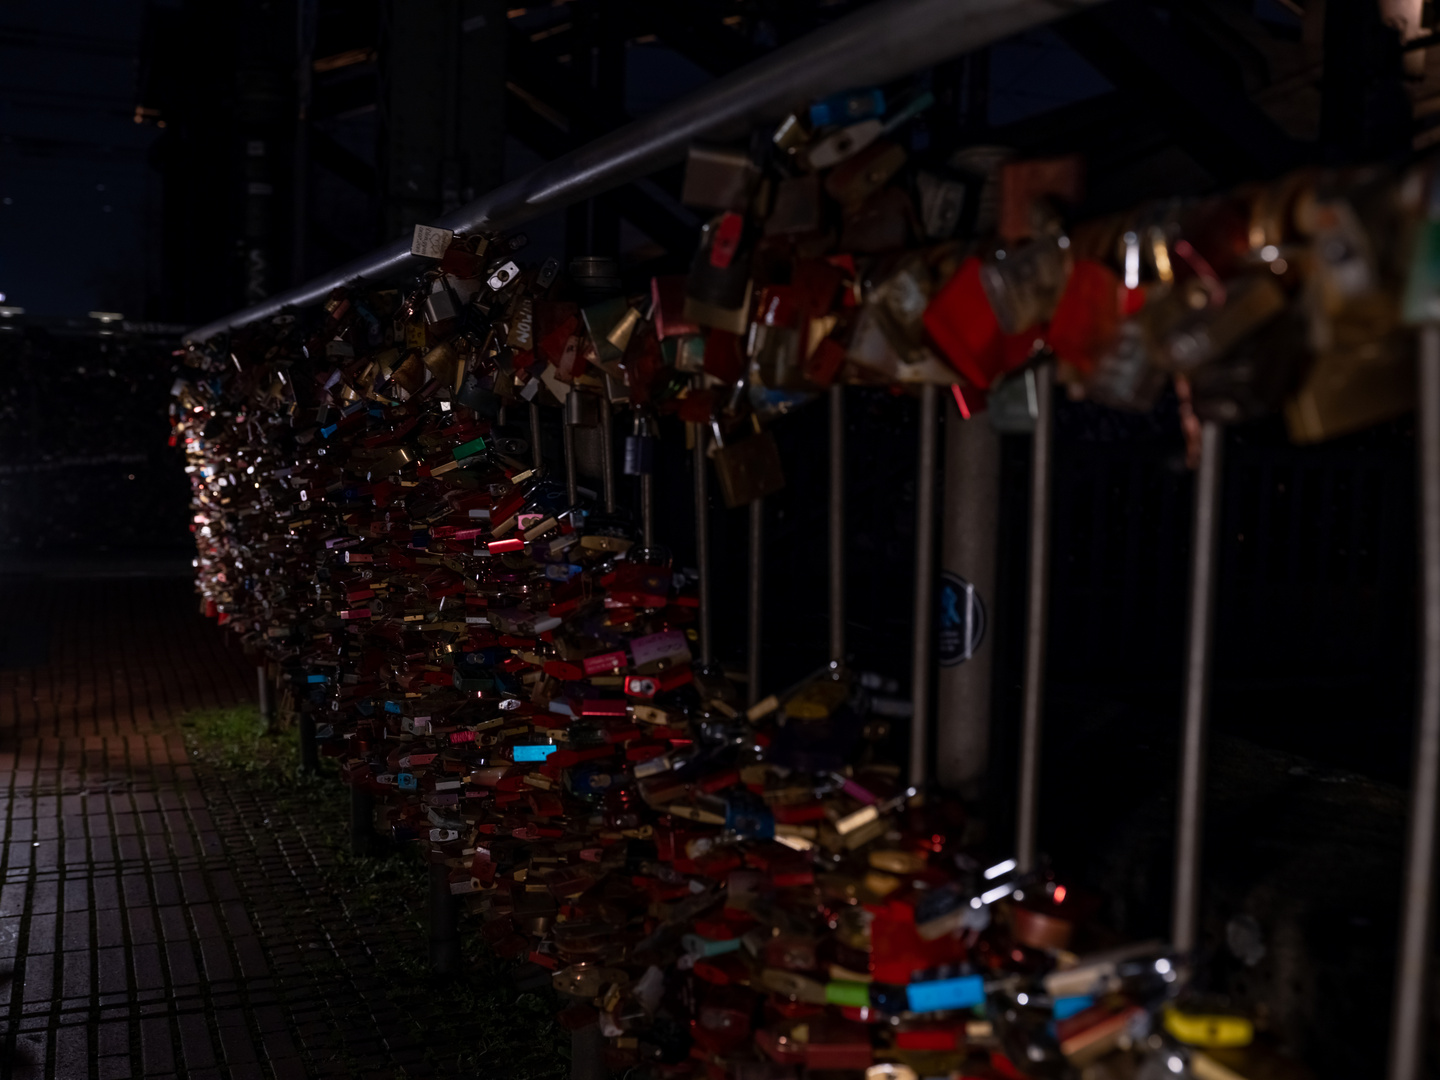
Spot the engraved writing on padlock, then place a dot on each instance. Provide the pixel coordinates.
(430, 243)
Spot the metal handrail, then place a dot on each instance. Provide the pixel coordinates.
(882, 42)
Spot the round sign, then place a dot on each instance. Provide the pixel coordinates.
(960, 622)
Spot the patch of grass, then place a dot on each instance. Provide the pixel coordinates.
(236, 740)
(476, 1024)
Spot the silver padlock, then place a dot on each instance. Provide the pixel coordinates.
(504, 276)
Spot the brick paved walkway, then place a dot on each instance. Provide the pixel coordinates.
(154, 919)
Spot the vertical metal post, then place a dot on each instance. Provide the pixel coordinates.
(702, 544)
(924, 587)
(362, 821)
(536, 453)
(647, 497)
(1037, 616)
(757, 587)
(587, 1052)
(568, 432)
(1185, 918)
(267, 698)
(309, 752)
(969, 534)
(1409, 1021)
(837, 523)
(647, 509)
(607, 455)
(536, 450)
(444, 924)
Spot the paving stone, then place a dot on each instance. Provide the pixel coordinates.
(164, 917)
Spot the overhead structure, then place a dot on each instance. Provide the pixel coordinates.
(884, 41)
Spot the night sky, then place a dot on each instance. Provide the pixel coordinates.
(77, 197)
(80, 204)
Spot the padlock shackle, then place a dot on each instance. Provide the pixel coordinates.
(878, 44)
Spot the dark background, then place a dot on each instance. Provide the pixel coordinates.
(169, 162)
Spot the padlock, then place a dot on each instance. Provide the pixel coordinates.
(718, 179)
(865, 173)
(848, 107)
(850, 140)
(748, 468)
(797, 209)
(1363, 371)
(960, 320)
(1029, 188)
(639, 449)
(1024, 282)
(717, 292)
(942, 201)
(881, 223)
(667, 307)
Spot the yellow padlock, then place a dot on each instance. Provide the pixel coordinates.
(1211, 1030)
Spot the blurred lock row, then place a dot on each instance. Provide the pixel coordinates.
(511, 661)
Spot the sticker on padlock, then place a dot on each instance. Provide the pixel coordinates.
(430, 243)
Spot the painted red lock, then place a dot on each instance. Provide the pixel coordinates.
(963, 326)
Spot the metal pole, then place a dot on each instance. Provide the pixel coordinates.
(647, 510)
(969, 534)
(924, 587)
(444, 924)
(757, 585)
(607, 455)
(1409, 1022)
(267, 699)
(1037, 616)
(1185, 919)
(647, 492)
(837, 524)
(362, 820)
(309, 752)
(587, 1051)
(702, 545)
(568, 430)
(536, 456)
(875, 45)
